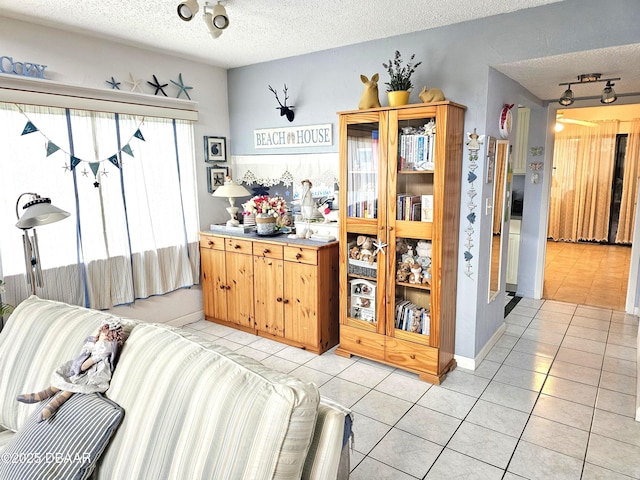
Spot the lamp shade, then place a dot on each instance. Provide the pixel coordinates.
(608, 94)
(230, 189)
(39, 211)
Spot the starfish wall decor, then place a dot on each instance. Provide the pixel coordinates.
(159, 87)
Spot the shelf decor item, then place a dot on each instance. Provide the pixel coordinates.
(266, 210)
(399, 85)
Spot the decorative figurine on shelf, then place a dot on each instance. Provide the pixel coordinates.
(369, 97)
(416, 273)
(89, 372)
(404, 270)
(431, 95)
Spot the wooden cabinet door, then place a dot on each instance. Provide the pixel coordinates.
(214, 291)
(301, 303)
(239, 288)
(268, 292)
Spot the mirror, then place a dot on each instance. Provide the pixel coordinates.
(497, 172)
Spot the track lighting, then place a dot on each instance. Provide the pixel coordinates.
(608, 94)
(188, 9)
(215, 17)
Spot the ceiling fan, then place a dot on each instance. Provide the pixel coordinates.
(560, 118)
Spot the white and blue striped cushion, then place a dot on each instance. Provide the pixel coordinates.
(197, 410)
(67, 445)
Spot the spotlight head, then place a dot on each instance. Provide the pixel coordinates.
(220, 17)
(567, 97)
(188, 9)
(608, 94)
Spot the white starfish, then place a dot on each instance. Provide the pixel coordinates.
(379, 246)
(134, 83)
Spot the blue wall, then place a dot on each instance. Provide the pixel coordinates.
(458, 59)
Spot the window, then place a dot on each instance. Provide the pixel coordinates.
(133, 227)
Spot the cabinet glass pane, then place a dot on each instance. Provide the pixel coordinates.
(413, 286)
(362, 170)
(415, 167)
(362, 272)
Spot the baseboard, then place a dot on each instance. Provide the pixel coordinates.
(472, 363)
(186, 319)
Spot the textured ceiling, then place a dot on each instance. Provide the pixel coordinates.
(264, 30)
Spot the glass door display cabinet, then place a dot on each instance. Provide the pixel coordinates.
(400, 176)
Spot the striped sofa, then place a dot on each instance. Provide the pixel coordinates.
(192, 410)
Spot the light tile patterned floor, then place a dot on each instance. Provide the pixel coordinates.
(553, 399)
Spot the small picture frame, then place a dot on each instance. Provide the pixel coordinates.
(215, 149)
(216, 177)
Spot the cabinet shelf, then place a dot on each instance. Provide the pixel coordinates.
(414, 327)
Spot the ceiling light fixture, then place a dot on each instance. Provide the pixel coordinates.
(188, 9)
(608, 94)
(216, 19)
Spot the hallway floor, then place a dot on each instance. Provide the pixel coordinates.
(587, 274)
(553, 399)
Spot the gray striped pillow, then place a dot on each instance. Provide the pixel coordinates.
(68, 445)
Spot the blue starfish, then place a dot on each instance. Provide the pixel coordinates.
(182, 87)
(114, 85)
(156, 84)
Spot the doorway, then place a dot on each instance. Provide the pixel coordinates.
(589, 273)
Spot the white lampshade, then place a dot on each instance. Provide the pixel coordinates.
(39, 211)
(230, 189)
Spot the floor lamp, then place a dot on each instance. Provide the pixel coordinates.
(37, 211)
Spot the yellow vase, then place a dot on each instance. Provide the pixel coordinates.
(398, 98)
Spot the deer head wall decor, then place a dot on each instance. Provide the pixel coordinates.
(284, 109)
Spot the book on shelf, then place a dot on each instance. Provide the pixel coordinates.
(416, 151)
(426, 203)
(411, 317)
(408, 207)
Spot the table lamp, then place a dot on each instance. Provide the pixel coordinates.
(231, 190)
(38, 211)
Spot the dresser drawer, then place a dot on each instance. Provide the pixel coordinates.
(267, 250)
(211, 242)
(301, 255)
(412, 356)
(238, 246)
(360, 342)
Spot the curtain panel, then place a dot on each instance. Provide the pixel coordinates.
(133, 229)
(629, 185)
(583, 163)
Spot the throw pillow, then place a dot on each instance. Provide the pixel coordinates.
(68, 445)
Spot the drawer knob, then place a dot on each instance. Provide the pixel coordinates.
(228, 287)
(358, 341)
(298, 256)
(236, 246)
(279, 299)
(266, 250)
(412, 356)
(222, 287)
(285, 301)
(210, 243)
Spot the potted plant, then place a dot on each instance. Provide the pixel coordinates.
(399, 85)
(266, 210)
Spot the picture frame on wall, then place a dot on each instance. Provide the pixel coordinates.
(216, 177)
(490, 159)
(215, 149)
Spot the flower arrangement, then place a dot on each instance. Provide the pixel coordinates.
(400, 76)
(262, 204)
(5, 308)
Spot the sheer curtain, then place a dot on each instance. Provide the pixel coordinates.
(629, 185)
(132, 231)
(583, 162)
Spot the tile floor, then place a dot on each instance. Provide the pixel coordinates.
(587, 273)
(553, 399)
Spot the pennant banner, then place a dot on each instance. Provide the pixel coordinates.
(52, 148)
(138, 134)
(114, 159)
(74, 162)
(127, 149)
(29, 128)
(95, 166)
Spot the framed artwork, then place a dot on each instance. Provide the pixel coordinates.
(215, 149)
(215, 177)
